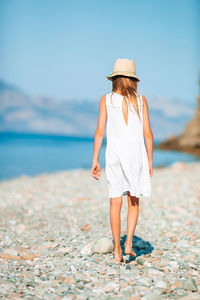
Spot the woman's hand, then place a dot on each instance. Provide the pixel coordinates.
(96, 170)
(150, 169)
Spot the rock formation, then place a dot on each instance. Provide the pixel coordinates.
(189, 140)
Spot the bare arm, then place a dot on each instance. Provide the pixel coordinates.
(99, 134)
(148, 135)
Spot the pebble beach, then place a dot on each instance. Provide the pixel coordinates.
(56, 241)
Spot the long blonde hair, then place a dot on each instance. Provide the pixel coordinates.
(128, 88)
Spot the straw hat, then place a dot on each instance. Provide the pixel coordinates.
(123, 66)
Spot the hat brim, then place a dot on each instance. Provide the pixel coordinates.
(127, 74)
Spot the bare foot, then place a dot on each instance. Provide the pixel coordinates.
(118, 255)
(129, 251)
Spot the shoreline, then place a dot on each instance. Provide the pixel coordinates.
(86, 170)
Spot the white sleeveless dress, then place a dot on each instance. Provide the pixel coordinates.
(126, 162)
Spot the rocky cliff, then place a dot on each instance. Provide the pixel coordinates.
(189, 140)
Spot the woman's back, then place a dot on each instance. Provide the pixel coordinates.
(117, 127)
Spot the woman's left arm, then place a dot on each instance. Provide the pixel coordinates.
(148, 135)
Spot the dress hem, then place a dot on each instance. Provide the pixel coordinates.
(125, 193)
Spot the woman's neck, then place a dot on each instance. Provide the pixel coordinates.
(118, 92)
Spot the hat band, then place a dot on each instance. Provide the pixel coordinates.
(123, 71)
(120, 72)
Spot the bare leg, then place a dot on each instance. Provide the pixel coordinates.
(132, 217)
(115, 221)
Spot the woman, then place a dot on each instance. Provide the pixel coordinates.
(129, 162)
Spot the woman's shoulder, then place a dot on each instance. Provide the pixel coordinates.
(144, 101)
(106, 95)
(105, 98)
(143, 98)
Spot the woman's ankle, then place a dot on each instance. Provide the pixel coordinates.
(128, 243)
(117, 248)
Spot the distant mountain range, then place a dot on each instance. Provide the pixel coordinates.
(22, 113)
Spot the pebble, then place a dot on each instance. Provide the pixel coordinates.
(161, 284)
(190, 285)
(56, 241)
(87, 250)
(20, 228)
(103, 245)
(10, 251)
(140, 261)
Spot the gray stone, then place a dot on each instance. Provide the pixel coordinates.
(190, 285)
(140, 261)
(87, 250)
(152, 296)
(195, 250)
(11, 251)
(20, 228)
(161, 284)
(103, 245)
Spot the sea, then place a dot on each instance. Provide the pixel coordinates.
(32, 154)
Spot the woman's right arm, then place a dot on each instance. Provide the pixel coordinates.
(99, 134)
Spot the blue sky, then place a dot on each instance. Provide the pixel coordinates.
(66, 48)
